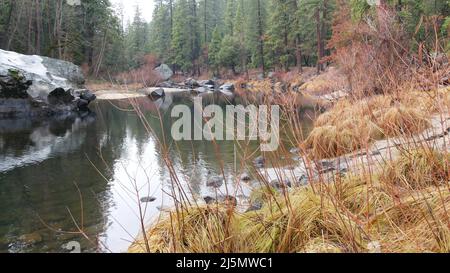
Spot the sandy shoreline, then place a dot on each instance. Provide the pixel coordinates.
(115, 94)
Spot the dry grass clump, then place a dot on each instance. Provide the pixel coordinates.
(402, 120)
(196, 230)
(258, 86)
(309, 217)
(417, 222)
(361, 194)
(418, 169)
(350, 126)
(332, 80)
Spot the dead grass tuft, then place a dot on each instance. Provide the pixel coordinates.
(353, 125)
(418, 169)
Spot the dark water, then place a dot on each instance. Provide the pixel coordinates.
(81, 172)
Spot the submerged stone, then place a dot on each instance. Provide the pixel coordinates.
(281, 184)
(246, 177)
(260, 162)
(224, 199)
(148, 199)
(215, 182)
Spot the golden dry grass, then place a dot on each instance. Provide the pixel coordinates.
(196, 230)
(353, 125)
(328, 82)
(357, 213)
(418, 169)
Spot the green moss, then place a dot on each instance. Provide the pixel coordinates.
(15, 74)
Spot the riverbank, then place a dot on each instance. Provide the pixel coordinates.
(121, 94)
(373, 176)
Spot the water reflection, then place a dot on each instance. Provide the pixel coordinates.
(109, 160)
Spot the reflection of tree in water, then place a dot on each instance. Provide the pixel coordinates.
(53, 155)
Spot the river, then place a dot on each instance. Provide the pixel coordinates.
(81, 172)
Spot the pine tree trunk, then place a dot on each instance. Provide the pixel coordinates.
(324, 28)
(38, 27)
(205, 26)
(298, 53)
(30, 9)
(319, 41)
(261, 39)
(8, 22)
(171, 17)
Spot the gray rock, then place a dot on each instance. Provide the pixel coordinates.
(215, 182)
(82, 104)
(207, 83)
(225, 199)
(148, 199)
(47, 86)
(164, 72)
(281, 184)
(327, 170)
(13, 84)
(191, 83)
(60, 96)
(228, 87)
(255, 206)
(246, 177)
(260, 162)
(209, 200)
(326, 166)
(157, 94)
(303, 180)
(87, 95)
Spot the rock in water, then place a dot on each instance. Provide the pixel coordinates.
(281, 184)
(246, 177)
(208, 84)
(223, 199)
(260, 162)
(228, 87)
(191, 83)
(148, 199)
(35, 85)
(157, 94)
(215, 182)
(164, 72)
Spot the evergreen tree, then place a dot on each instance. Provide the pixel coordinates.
(214, 50)
(161, 30)
(230, 14)
(181, 40)
(228, 55)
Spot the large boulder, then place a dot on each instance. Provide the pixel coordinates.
(35, 85)
(164, 72)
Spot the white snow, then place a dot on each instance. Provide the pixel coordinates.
(29, 63)
(33, 68)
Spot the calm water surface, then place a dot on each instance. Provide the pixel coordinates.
(83, 171)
